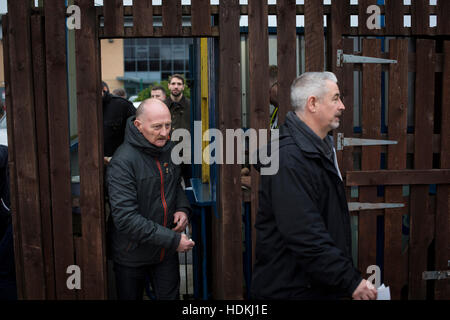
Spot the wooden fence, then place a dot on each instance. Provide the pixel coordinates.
(37, 105)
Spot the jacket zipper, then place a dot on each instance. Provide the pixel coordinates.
(163, 199)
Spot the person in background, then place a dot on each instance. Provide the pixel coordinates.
(120, 92)
(180, 110)
(8, 288)
(158, 92)
(116, 111)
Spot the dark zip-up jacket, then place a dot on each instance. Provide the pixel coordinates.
(144, 193)
(303, 237)
(116, 111)
(180, 112)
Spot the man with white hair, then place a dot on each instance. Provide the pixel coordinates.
(303, 237)
(149, 208)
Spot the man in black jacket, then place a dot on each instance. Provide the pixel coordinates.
(303, 239)
(180, 110)
(149, 208)
(116, 110)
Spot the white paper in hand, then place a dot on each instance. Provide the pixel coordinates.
(383, 293)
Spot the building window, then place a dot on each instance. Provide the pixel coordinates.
(159, 57)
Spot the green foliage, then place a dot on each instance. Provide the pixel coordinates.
(145, 94)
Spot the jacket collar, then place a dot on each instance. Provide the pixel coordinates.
(310, 143)
(304, 137)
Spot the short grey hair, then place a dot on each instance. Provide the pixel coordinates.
(309, 84)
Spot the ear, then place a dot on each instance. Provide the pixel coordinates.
(311, 104)
(137, 123)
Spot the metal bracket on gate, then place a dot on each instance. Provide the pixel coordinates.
(358, 206)
(436, 275)
(350, 58)
(345, 142)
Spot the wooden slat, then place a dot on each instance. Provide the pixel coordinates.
(143, 18)
(113, 10)
(171, 17)
(314, 35)
(346, 127)
(394, 17)
(90, 155)
(25, 157)
(422, 220)
(364, 16)
(228, 273)
(336, 22)
(398, 177)
(443, 21)
(18, 256)
(370, 156)
(443, 192)
(201, 18)
(286, 55)
(58, 116)
(394, 271)
(259, 75)
(420, 17)
(40, 102)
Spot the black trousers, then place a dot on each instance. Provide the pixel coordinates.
(164, 278)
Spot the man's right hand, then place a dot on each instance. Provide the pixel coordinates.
(186, 244)
(365, 291)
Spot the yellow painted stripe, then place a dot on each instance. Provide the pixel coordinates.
(204, 101)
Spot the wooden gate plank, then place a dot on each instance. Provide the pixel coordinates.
(201, 18)
(259, 84)
(394, 17)
(443, 22)
(58, 116)
(370, 156)
(346, 85)
(314, 35)
(398, 177)
(18, 255)
(171, 17)
(90, 156)
(143, 18)
(113, 14)
(363, 5)
(286, 55)
(394, 271)
(421, 219)
(229, 271)
(420, 17)
(40, 101)
(25, 157)
(443, 192)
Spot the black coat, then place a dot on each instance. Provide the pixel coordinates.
(144, 193)
(303, 237)
(5, 214)
(180, 112)
(116, 111)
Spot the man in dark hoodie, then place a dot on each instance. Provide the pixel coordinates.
(116, 111)
(149, 208)
(303, 238)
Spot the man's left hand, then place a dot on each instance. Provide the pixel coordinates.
(181, 220)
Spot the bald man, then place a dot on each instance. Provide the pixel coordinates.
(149, 208)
